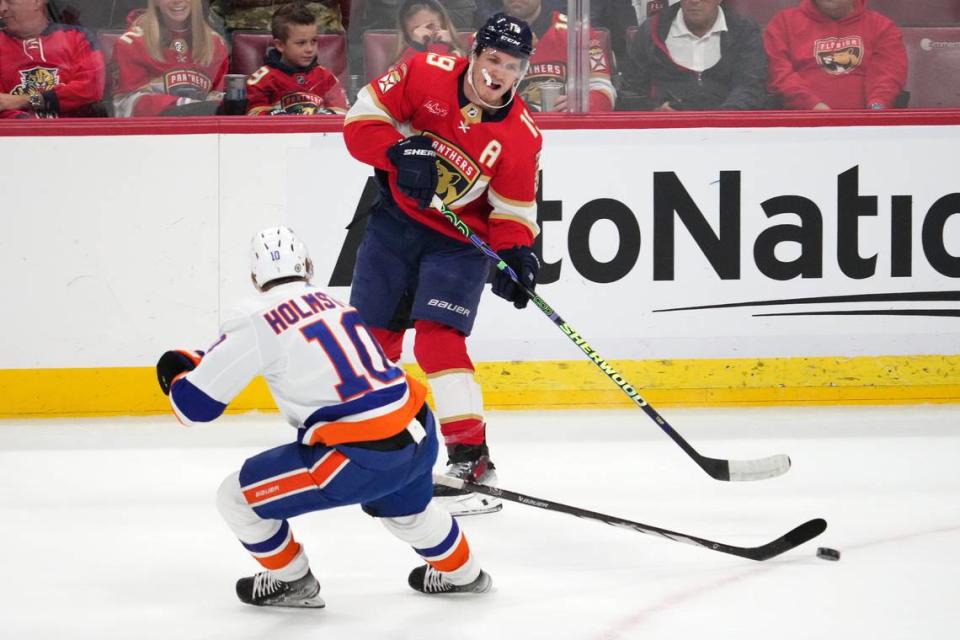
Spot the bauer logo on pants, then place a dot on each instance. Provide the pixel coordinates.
(449, 306)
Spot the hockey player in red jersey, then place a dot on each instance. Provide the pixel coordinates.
(549, 63)
(453, 128)
(364, 433)
(46, 69)
(291, 81)
(170, 62)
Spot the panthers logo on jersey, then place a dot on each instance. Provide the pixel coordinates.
(838, 56)
(456, 170)
(37, 80)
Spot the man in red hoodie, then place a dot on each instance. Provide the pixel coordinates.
(46, 69)
(835, 54)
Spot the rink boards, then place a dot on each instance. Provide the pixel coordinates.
(711, 265)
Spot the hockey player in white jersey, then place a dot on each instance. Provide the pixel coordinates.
(364, 433)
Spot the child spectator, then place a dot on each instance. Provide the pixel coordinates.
(291, 81)
(835, 54)
(46, 69)
(169, 63)
(424, 25)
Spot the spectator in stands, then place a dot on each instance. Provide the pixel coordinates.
(258, 14)
(291, 81)
(549, 60)
(170, 62)
(695, 55)
(835, 54)
(382, 14)
(424, 25)
(47, 69)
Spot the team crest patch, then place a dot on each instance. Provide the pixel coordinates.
(391, 78)
(187, 83)
(598, 61)
(456, 170)
(838, 56)
(37, 80)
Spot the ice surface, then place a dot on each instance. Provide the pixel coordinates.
(109, 530)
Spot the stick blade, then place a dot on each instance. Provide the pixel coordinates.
(761, 469)
(790, 540)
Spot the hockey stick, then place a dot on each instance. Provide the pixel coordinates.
(718, 469)
(793, 538)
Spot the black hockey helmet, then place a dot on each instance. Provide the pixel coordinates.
(505, 33)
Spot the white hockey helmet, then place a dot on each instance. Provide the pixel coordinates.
(275, 253)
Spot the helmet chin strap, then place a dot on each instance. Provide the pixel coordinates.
(486, 78)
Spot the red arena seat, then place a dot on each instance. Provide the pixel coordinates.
(380, 45)
(919, 13)
(933, 77)
(249, 48)
(107, 38)
(760, 11)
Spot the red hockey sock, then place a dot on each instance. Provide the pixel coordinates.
(441, 352)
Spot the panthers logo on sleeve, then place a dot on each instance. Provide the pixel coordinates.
(391, 78)
(37, 80)
(838, 56)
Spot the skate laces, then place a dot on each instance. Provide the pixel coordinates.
(265, 585)
(433, 581)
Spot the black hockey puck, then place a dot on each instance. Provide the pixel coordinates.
(826, 553)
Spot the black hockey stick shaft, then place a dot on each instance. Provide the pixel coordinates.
(719, 469)
(793, 538)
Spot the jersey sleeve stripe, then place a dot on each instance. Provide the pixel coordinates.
(515, 210)
(369, 107)
(388, 416)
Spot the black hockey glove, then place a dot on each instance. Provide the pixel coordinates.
(173, 363)
(416, 164)
(525, 264)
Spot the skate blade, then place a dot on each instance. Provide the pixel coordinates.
(471, 504)
(305, 603)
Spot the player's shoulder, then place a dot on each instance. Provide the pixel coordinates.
(434, 66)
(524, 131)
(558, 21)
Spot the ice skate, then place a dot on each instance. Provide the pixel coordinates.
(263, 590)
(426, 579)
(472, 463)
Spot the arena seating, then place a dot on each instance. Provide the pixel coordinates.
(761, 11)
(923, 13)
(249, 48)
(906, 13)
(379, 46)
(933, 78)
(107, 38)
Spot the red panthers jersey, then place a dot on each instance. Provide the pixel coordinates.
(279, 88)
(63, 64)
(549, 63)
(487, 162)
(147, 87)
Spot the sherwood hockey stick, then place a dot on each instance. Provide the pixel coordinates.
(793, 538)
(718, 469)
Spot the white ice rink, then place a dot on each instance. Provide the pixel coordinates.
(108, 529)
